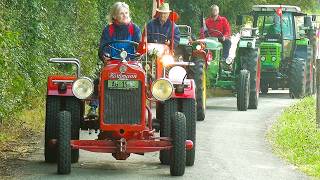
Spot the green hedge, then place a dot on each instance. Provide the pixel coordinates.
(32, 31)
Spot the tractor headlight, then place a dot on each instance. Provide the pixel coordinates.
(162, 89)
(263, 58)
(177, 73)
(198, 47)
(167, 59)
(82, 88)
(273, 58)
(229, 60)
(123, 54)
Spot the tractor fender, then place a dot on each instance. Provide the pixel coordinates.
(189, 92)
(60, 85)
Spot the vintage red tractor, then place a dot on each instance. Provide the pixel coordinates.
(124, 124)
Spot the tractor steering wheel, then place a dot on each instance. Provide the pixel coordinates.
(112, 45)
(214, 30)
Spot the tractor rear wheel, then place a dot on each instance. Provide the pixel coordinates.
(309, 72)
(64, 147)
(169, 110)
(253, 66)
(297, 78)
(199, 76)
(190, 112)
(178, 151)
(52, 109)
(243, 90)
(264, 87)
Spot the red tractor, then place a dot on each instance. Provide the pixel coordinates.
(124, 125)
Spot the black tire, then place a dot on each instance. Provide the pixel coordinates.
(169, 110)
(190, 112)
(252, 65)
(178, 151)
(297, 78)
(309, 72)
(198, 73)
(64, 147)
(243, 90)
(52, 109)
(264, 87)
(74, 106)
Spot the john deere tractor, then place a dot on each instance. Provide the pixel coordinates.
(240, 74)
(287, 46)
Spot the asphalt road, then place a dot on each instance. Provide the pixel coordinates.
(230, 145)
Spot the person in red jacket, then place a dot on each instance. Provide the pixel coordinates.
(217, 26)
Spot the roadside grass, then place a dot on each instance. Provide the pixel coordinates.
(21, 131)
(295, 136)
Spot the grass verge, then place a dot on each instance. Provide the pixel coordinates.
(19, 135)
(296, 138)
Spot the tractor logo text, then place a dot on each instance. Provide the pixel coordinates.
(122, 76)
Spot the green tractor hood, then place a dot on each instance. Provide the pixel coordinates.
(212, 43)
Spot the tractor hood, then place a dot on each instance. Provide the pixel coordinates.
(184, 41)
(212, 43)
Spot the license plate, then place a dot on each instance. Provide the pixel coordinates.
(122, 84)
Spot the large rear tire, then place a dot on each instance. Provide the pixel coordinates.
(243, 90)
(199, 75)
(169, 110)
(178, 151)
(309, 72)
(64, 147)
(253, 66)
(297, 78)
(52, 109)
(190, 112)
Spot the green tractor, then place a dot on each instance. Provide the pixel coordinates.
(240, 74)
(287, 48)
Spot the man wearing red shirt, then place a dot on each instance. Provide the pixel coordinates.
(217, 26)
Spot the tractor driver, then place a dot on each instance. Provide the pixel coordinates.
(159, 29)
(120, 27)
(218, 26)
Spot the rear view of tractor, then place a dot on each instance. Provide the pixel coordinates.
(287, 46)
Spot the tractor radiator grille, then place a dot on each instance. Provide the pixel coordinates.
(122, 106)
(268, 50)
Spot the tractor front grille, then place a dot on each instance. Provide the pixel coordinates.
(268, 51)
(122, 106)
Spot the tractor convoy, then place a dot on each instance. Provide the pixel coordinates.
(277, 52)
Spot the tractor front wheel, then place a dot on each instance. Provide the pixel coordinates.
(169, 107)
(243, 90)
(178, 151)
(64, 147)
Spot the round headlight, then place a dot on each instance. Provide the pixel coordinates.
(273, 58)
(167, 59)
(177, 73)
(162, 89)
(123, 54)
(229, 60)
(198, 47)
(263, 58)
(82, 88)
